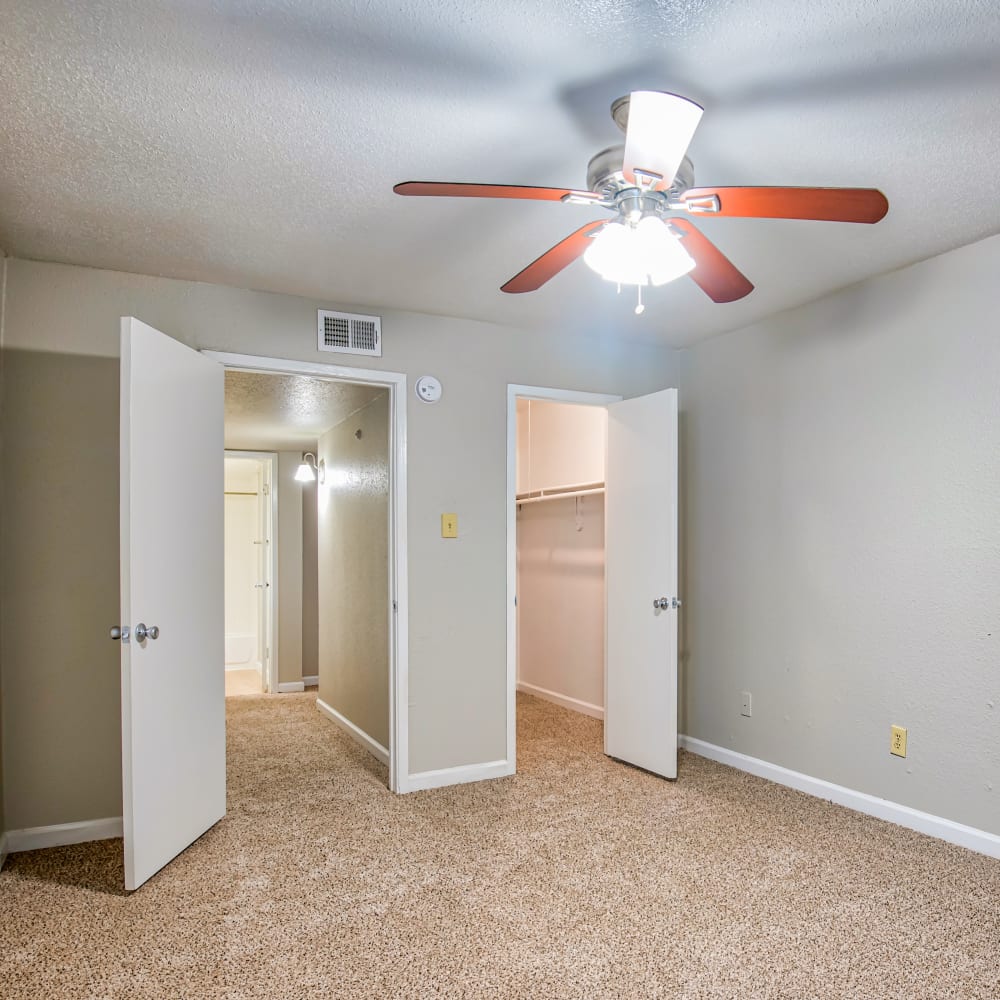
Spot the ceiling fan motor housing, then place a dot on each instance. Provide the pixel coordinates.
(606, 177)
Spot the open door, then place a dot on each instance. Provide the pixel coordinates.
(640, 707)
(173, 686)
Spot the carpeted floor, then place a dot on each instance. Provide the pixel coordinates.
(579, 877)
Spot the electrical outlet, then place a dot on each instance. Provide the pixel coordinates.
(897, 741)
(745, 705)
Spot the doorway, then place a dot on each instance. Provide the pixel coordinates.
(555, 530)
(251, 579)
(567, 578)
(348, 505)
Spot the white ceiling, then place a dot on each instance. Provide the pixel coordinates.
(256, 143)
(287, 412)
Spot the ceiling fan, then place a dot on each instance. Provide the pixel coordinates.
(647, 183)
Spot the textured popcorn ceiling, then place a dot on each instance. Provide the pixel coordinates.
(287, 412)
(256, 143)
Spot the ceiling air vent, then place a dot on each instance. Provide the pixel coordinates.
(349, 333)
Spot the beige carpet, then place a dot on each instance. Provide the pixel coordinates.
(578, 878)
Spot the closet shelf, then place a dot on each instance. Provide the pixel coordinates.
(561, 493)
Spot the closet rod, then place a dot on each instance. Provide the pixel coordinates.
(562, 496)
(237, 493)
(562, 491)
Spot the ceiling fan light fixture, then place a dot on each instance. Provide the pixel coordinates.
(663, 257)
(647, 253)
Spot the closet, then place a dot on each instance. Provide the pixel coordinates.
(560, 553)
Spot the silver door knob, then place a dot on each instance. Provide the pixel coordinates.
(677, 602)
(119, 632)
(661, 603)
(142, 632)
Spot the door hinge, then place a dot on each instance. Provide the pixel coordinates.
(395, 606)
(267, 489)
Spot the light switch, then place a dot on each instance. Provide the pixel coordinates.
(449, 525)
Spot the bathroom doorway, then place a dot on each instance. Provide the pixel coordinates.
(251, 579)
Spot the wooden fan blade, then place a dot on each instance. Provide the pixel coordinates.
(660, 129)
(553, 261)
(444, 190)
(823, 204)
(714, 273)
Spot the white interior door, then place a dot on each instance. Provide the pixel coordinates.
(640, 707)
(173, 688)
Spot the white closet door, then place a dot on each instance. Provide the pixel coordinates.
(640, 722)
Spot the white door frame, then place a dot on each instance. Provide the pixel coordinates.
(272, 595)
(515, 392)
(399, 677)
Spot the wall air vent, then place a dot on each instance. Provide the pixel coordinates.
(349, 333)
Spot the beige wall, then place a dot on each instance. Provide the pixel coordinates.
(560, 598)
(839, 502)
(456, 458)
(842, 525)
(353, 536)
(3, 296)
(289, 569)
(560, 444)
(59, 596)
(310, 583)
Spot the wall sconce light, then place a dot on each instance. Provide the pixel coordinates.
(306, 472)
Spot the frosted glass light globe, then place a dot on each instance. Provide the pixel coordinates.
(646, 253)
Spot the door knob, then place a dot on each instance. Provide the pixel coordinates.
(119, 632)
(142, 632)
(665, 603)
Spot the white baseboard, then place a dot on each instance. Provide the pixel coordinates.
(311, 681)
(243, 666)
(980, 841)
(458, 775)
(291, 687)
(358, 735)
(34, 838)
(573, 704)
